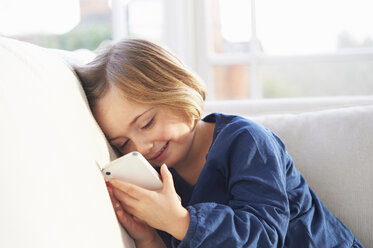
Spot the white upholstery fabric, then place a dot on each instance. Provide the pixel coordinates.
(52, 192)
(333, 150)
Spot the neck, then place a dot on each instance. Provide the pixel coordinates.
(196, 158)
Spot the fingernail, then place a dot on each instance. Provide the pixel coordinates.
(113, 182)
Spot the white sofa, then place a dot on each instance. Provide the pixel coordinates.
(52, 192)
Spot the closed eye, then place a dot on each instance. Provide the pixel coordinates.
(124, 144)
(148, 124)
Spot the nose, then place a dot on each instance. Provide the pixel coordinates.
(144, 145)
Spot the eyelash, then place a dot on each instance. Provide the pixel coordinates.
(144, 127)
(124, 144)
(148, 124)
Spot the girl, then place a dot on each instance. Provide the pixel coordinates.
(238, 185)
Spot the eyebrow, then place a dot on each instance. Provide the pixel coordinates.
(133, 121)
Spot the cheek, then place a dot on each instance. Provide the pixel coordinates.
(179, 132)
(161, 133)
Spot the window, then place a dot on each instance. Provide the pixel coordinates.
(241, 48)
(151, 27)
(290, 48)
(268, 48)
(68, 24)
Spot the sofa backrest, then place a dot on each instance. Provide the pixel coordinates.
(331, 142)
(52, 191)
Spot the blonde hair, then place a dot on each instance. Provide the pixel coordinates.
(145, 73)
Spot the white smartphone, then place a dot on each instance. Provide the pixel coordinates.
(133, 168)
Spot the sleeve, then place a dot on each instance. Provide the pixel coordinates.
(257, 214)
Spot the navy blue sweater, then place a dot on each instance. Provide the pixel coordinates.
(249, 194)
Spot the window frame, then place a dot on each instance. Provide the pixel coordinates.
(187, 34)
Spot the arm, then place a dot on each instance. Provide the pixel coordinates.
(257, 213)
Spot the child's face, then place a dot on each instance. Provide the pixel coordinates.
(160, 135)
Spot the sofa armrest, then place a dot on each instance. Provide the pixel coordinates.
(52, 192)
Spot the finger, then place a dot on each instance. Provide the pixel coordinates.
(114, 201)
(127, 202)
(123, 217)
(122, 196)
(167, 180)
(111, 194)
(113, 197)
(109, 189)
(129, 188)
(119, 210)
(127, 220)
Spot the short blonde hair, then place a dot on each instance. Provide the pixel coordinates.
(145, 73)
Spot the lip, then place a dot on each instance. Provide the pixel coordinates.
(159, 156)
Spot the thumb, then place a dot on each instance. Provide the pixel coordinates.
(166, 177)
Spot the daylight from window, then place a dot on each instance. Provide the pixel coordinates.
(68, 24)
(38, 16)
(257, 48)
(299, 27)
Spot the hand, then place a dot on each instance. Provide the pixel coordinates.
(160, 209)
(141, 232)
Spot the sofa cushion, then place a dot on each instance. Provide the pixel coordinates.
(52, 192)
(333, 149)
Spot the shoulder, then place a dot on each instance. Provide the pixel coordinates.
(233, 126)
(243, 148)
(237, 134)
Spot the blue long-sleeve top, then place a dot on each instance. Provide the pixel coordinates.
(249, 194)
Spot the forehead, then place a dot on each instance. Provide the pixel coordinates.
(113, 112)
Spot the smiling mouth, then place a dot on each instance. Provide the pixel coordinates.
(160, 153)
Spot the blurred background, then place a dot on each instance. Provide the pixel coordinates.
(243, 49)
